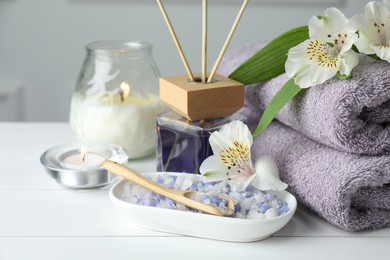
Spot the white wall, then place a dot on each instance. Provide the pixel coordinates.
(42, 41)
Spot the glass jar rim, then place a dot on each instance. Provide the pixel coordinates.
(119, 46)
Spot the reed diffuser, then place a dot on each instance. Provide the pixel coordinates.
(202, 103)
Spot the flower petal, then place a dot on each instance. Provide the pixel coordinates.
(349, 60)
(298, 64)
(387, 3)
(237, 131)
(324, 70)
(213, 169)
(383, 52)
(232, 146)
(333, 21)
(219, 142)
(241, 183)
(363, 42)
(267, 175)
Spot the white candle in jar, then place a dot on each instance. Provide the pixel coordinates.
(82, 159)
(114, 118)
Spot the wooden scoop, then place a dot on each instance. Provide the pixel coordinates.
(181, 196)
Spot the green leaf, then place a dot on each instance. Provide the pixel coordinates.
(284, 95)
(355, 49)
(343, 76)
(269, 62)
(331, 44)
(374, 56)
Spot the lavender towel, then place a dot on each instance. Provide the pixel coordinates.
(350, 115)
(350, 191)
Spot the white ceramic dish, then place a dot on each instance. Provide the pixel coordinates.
(201, 225)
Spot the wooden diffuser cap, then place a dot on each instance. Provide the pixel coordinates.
(196, 101)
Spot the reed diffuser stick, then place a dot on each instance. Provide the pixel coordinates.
(239, 15)
(204, 41)
(175, 39)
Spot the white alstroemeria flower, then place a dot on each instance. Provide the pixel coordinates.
(327, 52)
(374, 29)
(231, 161)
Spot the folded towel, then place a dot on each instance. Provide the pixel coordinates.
(350, 115)
(349, 190)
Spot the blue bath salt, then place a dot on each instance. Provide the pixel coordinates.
(264, 207)
(223, 201)
(194, 187)
(283, 209)
(205, 197)
(169, 201)
(149, 202)
(251, 203)
(158, 197)
(159, 179)
(214, 200)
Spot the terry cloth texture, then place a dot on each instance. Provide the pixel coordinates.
(350, 115)
(350, 190)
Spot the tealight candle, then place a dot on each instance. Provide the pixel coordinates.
(80, 167)
(82, 159)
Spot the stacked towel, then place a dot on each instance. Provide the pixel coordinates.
(317, 132)
(349, 115)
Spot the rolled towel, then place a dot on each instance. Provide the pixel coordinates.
(350, 191)
(350, 115)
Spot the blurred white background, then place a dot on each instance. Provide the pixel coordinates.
(42, 41)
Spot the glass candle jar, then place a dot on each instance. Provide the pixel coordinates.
(116, 97)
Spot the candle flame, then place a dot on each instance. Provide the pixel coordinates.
(124, 90)
(83, 152)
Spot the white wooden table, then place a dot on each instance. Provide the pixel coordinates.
(41, 220)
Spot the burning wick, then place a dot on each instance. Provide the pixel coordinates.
(83, 152)
(124, 91)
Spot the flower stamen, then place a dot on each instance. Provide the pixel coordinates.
(237, 159)
(325, 56)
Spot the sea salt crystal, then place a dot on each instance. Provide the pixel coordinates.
(164, 204)
(253, 214)
(271, 213)
(169, 182)
(138, 190)
(159, 179)
(180, 206)
(249, 204)
(179, 183)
